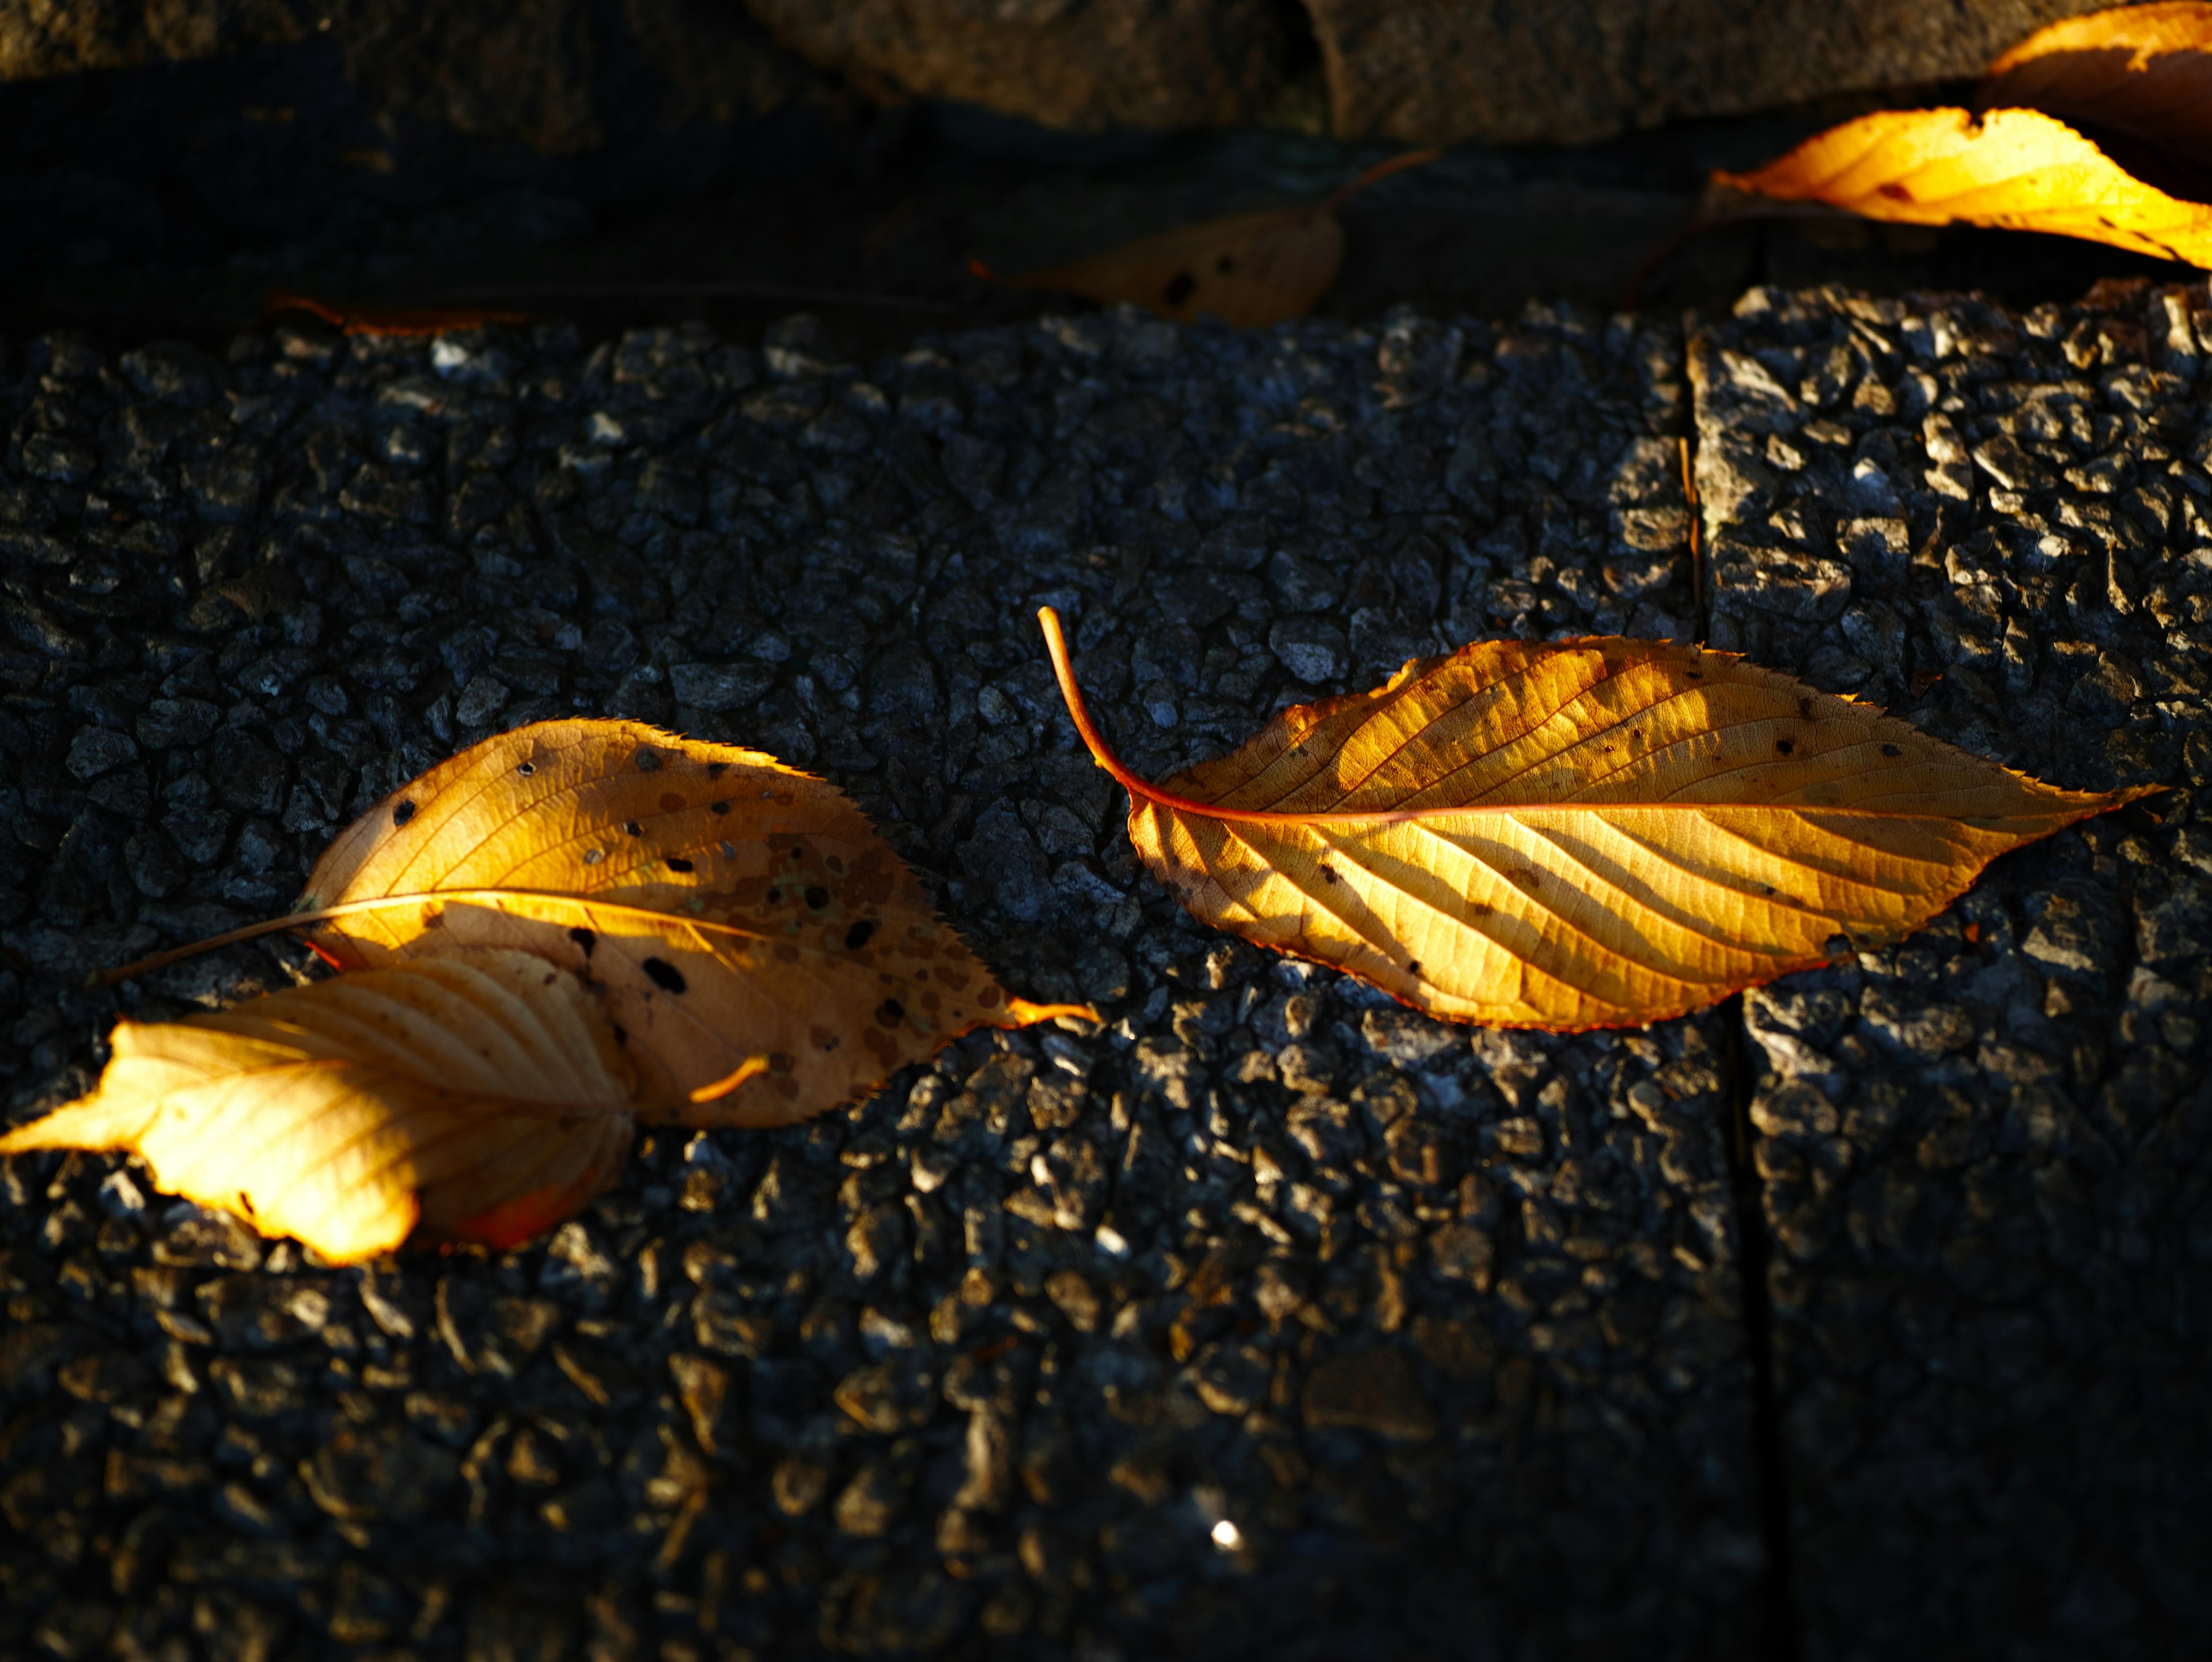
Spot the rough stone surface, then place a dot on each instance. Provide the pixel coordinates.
(540, 72)
(1440, 71)
(39, 38)
(1446, 1325)
(1986, 1155)
(1110, 63)
(529, 72)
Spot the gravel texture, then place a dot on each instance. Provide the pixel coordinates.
(1270, 1320)
(1986, 1155)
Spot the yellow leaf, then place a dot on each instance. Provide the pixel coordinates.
(482, 1094)
(762, 952)
(1249, 269)
(2145, 70)
(1592, 834)
(2015, 169)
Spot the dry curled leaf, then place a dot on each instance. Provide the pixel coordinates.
(1249, 269)
(480, 1095)
(2143, 70)
(2017, 170)
(1592, 834)
(761, 951)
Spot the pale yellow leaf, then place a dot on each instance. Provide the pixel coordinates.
(2017, 170)
(481, 1095)
(2145, 70)
(1592, 834)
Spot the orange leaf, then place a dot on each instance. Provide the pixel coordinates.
(1596, 833)
(2015, 169)
(481, 1096)
(391, 320)
(762, 951)
(1249, 269)
(2145, 70)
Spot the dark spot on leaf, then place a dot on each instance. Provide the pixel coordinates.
(665, 976)
(718, 808)
(584, 939)
(1891, 750)
(716, 769)
(527, 769)
(633, 828)
(1226, 263)
(1697, 674)
(246, 1202)
(779, 1062)
(798, 854)
(1327, 875)
(403, 814)
(648, 761)
(1179, 289)
(1805, 708)
(857, 936)
(817, 898)
(890, 1012)
(1894, 190)
(1783, 746)
(621, 1033)
(1413, 966)
(676, 865)
(772, 895)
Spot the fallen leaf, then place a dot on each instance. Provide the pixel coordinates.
(762, 952)
(1249, 269)
(2017, 170)
(480, 1095)
(2143, 70)
(1596, 833)
(407, 321)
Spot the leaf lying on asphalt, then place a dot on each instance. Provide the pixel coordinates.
(1249, 269)
(2017, 170)
(563, 930)
(727, 907)
(404, 321)
(2143, 71)
(1598, 833)
(481, 1094)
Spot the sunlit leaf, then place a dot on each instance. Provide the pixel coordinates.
(481, 1095)
(760, 948)
(2145, 70)
(1596, 833)
(2013, 169)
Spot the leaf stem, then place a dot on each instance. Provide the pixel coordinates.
(1375, 175)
